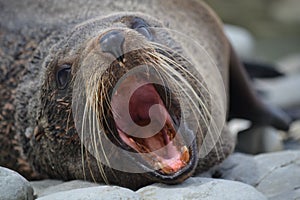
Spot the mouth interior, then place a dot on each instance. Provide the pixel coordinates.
(163, 151)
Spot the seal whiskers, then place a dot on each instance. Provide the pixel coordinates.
(92, 115)
(169, 72)
(207, 117)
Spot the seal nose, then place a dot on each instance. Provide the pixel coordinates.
(112, 42)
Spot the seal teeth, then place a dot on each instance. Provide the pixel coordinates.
(122, 63)
(185, 156)
(131, 140)
(143, 148)
(167, 169)
(164, 168)
(159, 165)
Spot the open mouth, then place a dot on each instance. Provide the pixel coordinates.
(163, 149)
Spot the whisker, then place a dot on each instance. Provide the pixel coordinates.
(194, 104)
(190, 74)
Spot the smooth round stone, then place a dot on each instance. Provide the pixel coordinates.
(260, 139)
(242, 40)
(294, 131)
(201, 188)
(47, 187)
(280, 174)
(13, 186)
(237, 167)
(283, 92)
(290, 64)
(276, 175)
(94, 193)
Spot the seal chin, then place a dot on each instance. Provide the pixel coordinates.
(182, 174)
(164, 152)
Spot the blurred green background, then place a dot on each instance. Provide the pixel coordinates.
(275, 24)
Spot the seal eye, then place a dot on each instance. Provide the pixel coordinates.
(63, 76)
(142, 27)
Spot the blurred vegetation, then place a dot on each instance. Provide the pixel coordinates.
(275, 24)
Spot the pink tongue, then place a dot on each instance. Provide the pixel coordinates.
(140, 103)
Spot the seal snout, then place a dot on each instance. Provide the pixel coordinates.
(112, 42)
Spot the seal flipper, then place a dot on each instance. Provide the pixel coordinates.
(261, 70)
(245, 103)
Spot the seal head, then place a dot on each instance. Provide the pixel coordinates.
(112, 101)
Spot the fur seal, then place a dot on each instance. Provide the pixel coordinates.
(61, 65)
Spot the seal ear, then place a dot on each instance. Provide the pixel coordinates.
(246, 104)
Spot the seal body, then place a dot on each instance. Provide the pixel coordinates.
(60, 64)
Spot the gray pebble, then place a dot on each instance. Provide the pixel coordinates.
(94, 193)
(46, 187)
(242, 40)
(273, 175)
(201, 188)
(280, 173)
(290, 64)
(239, 167)
(276, 175)
(13, 186)
(282, 92)
(260, 139)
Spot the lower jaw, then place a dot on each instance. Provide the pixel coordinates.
(181, 174)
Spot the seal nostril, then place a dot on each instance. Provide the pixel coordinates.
(112, 42)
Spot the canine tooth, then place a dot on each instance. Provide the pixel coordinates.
(122, 64)
(184, 149)
(131, 140)
(185, 156)
(167, 169)
(158, 165)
